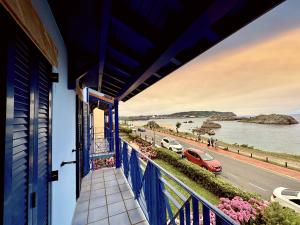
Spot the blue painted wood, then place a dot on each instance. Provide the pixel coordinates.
(125, 159)
(17, 148)
(110, 131)
(195, 204)
(43, 142)
(181, 216)
(187, 213)
(154, 196)
(117, 138)
(27, 135)
(104, 29)
(168, 206)
(86, 150)
(104, 120)
(206, 216)
(135, 173)
(219, 220)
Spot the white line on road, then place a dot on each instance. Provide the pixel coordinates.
(257, 186)
(234, 176)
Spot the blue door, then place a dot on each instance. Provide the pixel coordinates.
(27, 148)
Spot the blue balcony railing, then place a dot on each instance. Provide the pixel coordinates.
(160, 201)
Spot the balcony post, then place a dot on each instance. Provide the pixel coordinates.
(117, 139)
(110, 131)
(105, 135)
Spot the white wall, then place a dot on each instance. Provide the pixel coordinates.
(99, 120)
(63, 134)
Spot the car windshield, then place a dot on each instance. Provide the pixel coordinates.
(206, 157)
(174, 142)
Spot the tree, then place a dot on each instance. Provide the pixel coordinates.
(178, 124)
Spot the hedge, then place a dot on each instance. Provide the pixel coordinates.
(203, 177)
(126, 130)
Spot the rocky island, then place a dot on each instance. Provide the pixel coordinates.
(210, 125)
(271, 119)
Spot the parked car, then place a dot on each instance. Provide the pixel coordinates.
(171, 144)
(141, 129)
(203, 159)
(287, 198)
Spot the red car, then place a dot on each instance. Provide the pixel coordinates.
(203, 159)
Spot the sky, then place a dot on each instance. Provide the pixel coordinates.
(254, 71)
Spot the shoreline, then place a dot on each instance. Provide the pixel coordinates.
(286, 160)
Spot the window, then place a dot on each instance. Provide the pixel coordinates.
(206, 157)
(174, 142)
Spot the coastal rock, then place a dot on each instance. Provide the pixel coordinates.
(271, 119)
(220, 117)
(152, 124)
(202, 131)
(210, 125)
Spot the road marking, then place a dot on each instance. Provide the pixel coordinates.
(257, 186)
(234, 176)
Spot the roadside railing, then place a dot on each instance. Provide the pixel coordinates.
(161, 202)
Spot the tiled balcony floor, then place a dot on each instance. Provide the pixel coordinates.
(106, 199)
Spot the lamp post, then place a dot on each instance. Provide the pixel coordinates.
(154, 137)
(152, 127)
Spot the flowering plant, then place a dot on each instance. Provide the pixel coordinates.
(149, 152)
(100, 163)
(243, 212)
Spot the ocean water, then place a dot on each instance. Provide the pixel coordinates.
(274, 138)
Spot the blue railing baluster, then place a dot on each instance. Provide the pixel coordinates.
(218, 220)
(154, 196)
(125, 159)
(135, 173)
(181, 216)
(187, 213)
(195, 211)
(206, 216)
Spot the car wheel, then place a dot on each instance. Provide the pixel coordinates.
(162, 145)
(170, 149)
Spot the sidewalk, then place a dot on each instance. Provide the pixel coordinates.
(246, 159)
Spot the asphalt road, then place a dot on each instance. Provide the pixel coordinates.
(244, 175)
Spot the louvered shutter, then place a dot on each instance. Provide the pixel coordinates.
(43, 142)
(27, 134)
(21, 134)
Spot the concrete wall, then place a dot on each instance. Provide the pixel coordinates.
(64, 106)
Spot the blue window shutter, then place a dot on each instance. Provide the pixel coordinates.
(27, 135)
(20, 135)
(43, 142)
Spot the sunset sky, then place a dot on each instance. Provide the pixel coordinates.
(256, 70)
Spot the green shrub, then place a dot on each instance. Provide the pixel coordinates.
(244, 146)
(275, 214)
(202, 176)
(125, 130)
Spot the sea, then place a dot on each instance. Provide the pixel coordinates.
(273, 138)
